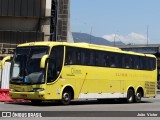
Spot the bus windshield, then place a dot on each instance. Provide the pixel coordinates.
(25, 67)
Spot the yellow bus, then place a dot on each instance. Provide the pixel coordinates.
(45, 71)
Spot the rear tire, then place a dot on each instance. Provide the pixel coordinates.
(138, 97)
(130, 96)
(66, 97)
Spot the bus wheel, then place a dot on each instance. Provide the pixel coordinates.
(36, 102)
(130, 96)
(66, 97)
(138, 96)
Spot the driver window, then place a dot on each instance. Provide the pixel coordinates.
(55, 63)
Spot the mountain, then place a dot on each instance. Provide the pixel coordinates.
(84, 37)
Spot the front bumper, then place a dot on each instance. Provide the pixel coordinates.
(28, 95)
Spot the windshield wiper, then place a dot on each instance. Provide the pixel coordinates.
(18, 79)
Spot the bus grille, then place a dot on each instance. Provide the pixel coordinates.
(150, 87)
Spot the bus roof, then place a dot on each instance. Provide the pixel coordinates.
(84, 45)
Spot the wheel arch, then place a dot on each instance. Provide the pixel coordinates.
(132, 88)
(70, 88)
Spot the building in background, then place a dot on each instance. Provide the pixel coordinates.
(33, 20)
(58, 26)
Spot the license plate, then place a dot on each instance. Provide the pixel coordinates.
(23, 96)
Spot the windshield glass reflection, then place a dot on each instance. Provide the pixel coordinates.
(25, 68)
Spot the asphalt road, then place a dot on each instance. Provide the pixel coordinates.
(147, 104)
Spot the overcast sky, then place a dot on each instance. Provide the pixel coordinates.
(124, 20)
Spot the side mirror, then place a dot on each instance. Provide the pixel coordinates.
(43, 61)
(4, 60)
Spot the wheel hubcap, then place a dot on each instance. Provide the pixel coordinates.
(66, 96)
(130, 98)
(138, 96)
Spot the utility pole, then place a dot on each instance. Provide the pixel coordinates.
(147, 34)
(115, 40)
(91, 34)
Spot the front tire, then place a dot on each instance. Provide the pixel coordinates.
(130, 96)
(66, 97)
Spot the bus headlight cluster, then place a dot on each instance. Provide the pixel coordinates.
(38, 89)
(12, 90)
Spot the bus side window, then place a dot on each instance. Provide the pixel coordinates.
(87, 57)
(68, 59)
(78, 56)
(102, 61)
(112, 61)
(136, 62)
(92, 58)
(141, 63)
(83, 57)
(102, 58)
(146, 63)
(118, 60)
(131, 62)
(152, 63)
(96, 56)
(106, 58)
(69, 56)
(127, 62)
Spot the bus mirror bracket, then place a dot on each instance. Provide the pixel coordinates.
(43, 61)
(4, 60)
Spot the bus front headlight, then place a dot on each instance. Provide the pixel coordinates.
(38, 89)
(12, 90)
